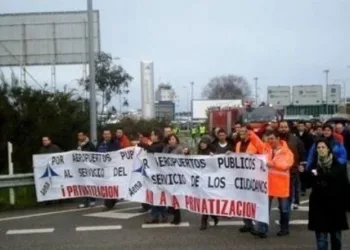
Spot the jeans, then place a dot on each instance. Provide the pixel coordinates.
(284, 207)
(322, 240)
(294, 189)
(157, 211)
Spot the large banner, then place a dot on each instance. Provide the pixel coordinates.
(233, 185)
(76, 174)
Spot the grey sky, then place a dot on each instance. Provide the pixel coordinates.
(282, 42)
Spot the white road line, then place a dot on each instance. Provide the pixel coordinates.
(98, 228)
(30, 231)
(228, 223)
(295, 222)
(163, 225)
(304, 202)
(56, 212)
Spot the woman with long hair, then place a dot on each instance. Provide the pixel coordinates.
(328, 199)
(173, 147)
(205, 148)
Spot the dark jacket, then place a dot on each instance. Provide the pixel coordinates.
(50, 149)
(307, 140)
(329, 198)
(110, 146)
(86, 146)
(155, 147)
(297, 148)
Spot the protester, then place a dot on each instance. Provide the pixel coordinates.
(279, 161)
(245, 145)
(158, 213)
(337, 148)
(122, 138)
(222, 146)
(108, 145)
(48, 147)
(339, 128)
(205, 148)
(327, 204)
(173, 147)
(84, 144)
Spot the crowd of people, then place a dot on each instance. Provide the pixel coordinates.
(300, 156)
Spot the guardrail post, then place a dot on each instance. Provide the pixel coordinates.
(10, 166)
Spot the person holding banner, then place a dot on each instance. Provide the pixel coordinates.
(108, 145)
(246, 145)
(279, 161)
(84, 144)
(173, 147)
(206, 148)
(158, 213)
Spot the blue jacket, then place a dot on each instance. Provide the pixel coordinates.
(338, 150)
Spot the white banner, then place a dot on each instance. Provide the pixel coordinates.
(76, 174)
(233, 185)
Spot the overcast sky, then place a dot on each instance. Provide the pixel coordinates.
(281, 42)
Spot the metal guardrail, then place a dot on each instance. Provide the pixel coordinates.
(16, 180)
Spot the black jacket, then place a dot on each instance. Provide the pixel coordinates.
(155, 147)
(50, 149)
(329, 198)
(87, 146)
(307, 139)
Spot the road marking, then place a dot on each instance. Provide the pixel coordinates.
(295, 222)
(115, 214)
(98, 228)
(163, 225)
(301, 208)
(304, 202)
(30, 231)
(228, 223)
(56, 212)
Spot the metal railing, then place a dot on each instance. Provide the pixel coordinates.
(16, 180)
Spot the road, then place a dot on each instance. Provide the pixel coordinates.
(70, 228)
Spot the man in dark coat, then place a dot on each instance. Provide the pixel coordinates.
(48, 147)
(108, 145)
(84, 144)
(297, 148)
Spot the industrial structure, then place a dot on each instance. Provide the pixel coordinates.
(165, 106)
(306, 99)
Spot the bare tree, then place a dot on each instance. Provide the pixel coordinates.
(227, 87)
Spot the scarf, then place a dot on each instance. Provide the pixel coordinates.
(325, 162)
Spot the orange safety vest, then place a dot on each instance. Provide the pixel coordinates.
(251, 149)
(281, 161)
(279, 176)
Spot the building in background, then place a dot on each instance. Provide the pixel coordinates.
(306, 100)
(147, 90)
(165, 106)
(165, 110)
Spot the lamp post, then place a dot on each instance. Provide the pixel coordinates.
(191, 83)
(92, 87)
(256, 90)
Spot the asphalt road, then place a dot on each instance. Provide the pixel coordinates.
(66, 227)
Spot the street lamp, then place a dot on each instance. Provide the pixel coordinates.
(326, 71)
(191, 114)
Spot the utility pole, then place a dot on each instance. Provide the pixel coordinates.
(326, 71)
(256, 91)
(191, 83)
(92, 87)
